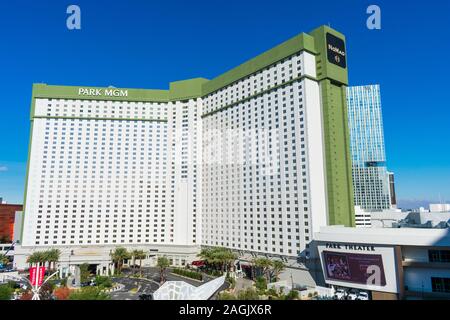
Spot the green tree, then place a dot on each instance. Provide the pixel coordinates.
(52, 257)
(277, 268)
(270, 268)
(36, 258)
(139, 255)
(249, 294)
(6, 292)
(84, 272)
(103, 282)
(264, 264)
(163, 263)
(218, 257)
(89, 293)
(261, 284)
(118, 256)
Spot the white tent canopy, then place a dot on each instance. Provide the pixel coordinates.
(180, 290)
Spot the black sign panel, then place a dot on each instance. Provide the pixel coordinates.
(336, 51)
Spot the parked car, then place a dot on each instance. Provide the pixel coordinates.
(352, 294)
(363, 296)
(340, 294)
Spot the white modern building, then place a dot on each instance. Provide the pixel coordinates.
(440, 207)
(255, 160)
(392, 264)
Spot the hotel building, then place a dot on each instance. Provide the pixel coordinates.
(256, 160)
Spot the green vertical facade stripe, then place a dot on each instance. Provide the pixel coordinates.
(337, 151)
(333, 80)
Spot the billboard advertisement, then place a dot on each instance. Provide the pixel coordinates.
(354, 268)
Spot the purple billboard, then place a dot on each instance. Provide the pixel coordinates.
(350, 267)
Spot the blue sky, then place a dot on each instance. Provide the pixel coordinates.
(147, 44)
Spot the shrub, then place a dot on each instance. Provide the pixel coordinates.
(292, 295)
(232, 282)
(62, 293)
(214, 273)
(272, 292)
(103, 282)
(249, 294)
(226, 296)
(26, 296)
(189, 274)
(6, 292)
(261, 284)
(89, 293)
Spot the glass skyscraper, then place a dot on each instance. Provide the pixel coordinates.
(370, 177)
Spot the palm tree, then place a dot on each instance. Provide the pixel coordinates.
(52, 257)
(218, 257)
(37, 258)
(140, 255)
(264, 264)
(118, 256)
(163, 263)
(277, 268)
(133, 254)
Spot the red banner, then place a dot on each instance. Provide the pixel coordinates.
(33, 275)
(37, 274)
(41, 275)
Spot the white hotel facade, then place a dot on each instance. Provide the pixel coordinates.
(255, 160)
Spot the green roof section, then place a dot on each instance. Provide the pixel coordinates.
(301, 42)
(179, 90)
(186, 89)
(45, 91)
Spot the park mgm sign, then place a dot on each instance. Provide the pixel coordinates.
(108, 92)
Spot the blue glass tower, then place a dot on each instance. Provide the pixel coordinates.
(370, 177)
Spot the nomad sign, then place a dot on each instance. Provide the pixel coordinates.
(336, 51)
(102, 92)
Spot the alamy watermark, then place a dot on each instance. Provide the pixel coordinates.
(374, 20)
(73, 21)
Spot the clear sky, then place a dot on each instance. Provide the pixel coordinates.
(147, 44)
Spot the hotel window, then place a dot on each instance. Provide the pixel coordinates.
(441, 256)
(440, 285)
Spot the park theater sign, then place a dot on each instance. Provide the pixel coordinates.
(109, 92)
